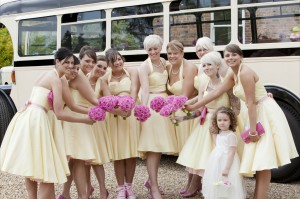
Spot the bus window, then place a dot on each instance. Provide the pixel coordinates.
(37, 36)
(269, 24)
(77, 32)
(192, 4)
(129, 33)
(188, 27)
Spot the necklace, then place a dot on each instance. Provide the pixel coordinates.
(175, 73)
(155, 65)
(117, 77)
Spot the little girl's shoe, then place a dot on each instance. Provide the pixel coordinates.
(129, 191)
(121, 192)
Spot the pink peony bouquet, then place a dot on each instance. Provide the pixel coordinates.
(157, 103)
(50, 98)
(167, 110)
(170, 99)
(97, 113)
(108, 103)
(179, 101)
(142, 113)
(126, 103)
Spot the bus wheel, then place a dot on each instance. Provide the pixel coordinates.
(290, 105)
(7, 111)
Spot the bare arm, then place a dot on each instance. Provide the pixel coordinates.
(104, 88)
(248, 80)
(58, 105)
(67, 96)
(224, 87)
(144, 81)
(135, 84)
(229, 161)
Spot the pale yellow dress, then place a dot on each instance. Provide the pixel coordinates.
(276, 147)
(101, 135)
(28, 148)
(157, 133)
(196, 151)
(183, 130)
(124, 133)
(80, 141)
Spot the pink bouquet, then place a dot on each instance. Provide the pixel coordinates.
(96, 113)
(108, 103)
(179, 101)
(126, 103)
(142, 113)
(50, 98)
(167, 110)
(157, 103)
(170, 99)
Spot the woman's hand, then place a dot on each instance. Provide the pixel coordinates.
(253, 136)
(88, 121)
(176, 119)
(189, 107)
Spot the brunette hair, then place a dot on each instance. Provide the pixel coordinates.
(62, 53)
(175, 45)
(89, 51)
(101, 58)
(233, 48)
(228, 111)
(76, 60)
(112, 55)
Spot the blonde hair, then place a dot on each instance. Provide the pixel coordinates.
(212, 58)
(152, 41)
(228, 111)
(175, 45)
(204, 43)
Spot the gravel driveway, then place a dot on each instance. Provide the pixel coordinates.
(172, 178)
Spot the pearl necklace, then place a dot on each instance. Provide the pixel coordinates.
(118, 77)
(175, 72)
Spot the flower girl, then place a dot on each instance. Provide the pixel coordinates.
(221, 178)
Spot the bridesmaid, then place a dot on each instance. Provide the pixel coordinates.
(181, 82)
(28, 148)
(153, 78)
(79, 134)
(124, 133)
(199, 145)
(276, 147)
(100, 128)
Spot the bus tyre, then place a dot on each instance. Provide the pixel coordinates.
(289, 172)
(7, 111)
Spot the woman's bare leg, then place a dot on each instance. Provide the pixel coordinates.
(263, 179)
(119, 166)
(31, 187)
(130, 165)
(153, 160)
(46, 191)
(67, 185)
(100, 175)
(79, 174)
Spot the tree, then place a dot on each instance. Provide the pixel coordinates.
(6, 48)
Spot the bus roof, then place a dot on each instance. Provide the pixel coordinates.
(8, 7)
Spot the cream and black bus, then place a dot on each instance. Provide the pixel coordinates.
(268, 31)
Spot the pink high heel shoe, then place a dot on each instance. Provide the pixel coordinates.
(129, 192)
(61, 197)
(91, 191)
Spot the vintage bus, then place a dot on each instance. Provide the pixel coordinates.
(268, 31)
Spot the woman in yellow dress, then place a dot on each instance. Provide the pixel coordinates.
(28, 148)
(276, 147)
(181, 82)
(100, 128)
(157, 133)
(124, 133)
(195, 153)
(77, 134)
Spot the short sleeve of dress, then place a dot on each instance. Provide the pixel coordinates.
(232, 140)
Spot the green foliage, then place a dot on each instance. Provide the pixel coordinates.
(121, 36)
(6, 48)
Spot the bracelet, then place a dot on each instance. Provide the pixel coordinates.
(253, 135)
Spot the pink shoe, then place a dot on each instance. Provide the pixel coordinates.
(121, 192)
(91, 191)
(61, 197)
(129, 191)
